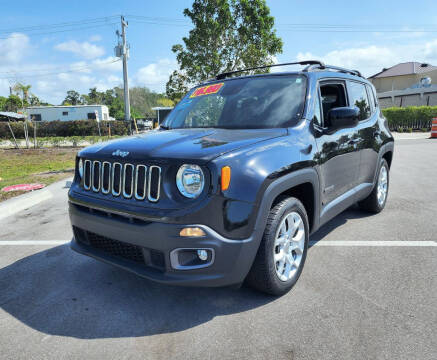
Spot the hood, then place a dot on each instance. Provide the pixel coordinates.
(198, 144)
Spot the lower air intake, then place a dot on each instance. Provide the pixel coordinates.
(116, 248)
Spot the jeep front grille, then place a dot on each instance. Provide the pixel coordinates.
(126, 180)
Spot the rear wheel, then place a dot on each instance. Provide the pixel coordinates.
(375, 202)
(282, 252)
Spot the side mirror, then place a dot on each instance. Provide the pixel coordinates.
(343, 117)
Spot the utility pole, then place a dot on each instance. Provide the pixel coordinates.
(122, 51)
(125, 79)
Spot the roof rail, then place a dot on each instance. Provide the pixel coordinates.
(313, 67)
(307, 62)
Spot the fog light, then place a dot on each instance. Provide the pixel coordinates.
(202, 254)
(191, 258)
(192, 232)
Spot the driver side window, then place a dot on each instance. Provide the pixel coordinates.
(333, 95)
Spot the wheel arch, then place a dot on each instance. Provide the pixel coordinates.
(302, 184)
(385, 152)
(388, 156)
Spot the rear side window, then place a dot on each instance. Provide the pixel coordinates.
(358, 97)
(371, 98)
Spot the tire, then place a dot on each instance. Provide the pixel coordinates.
(373, 202)
(267, 269)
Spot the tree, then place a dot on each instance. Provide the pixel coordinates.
(34, 100)
(13, 103)
(22, 89)
(73, 98)
(141, 98)
(165, 102)
(227, 35)
(135, 114)
(177, 86)
(3, 103)
(94, 97)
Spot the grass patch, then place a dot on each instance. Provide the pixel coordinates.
(23, 166)
(57, 141)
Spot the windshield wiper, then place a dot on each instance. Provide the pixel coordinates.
(164, 127)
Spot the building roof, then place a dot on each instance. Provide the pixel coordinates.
(162, 108)
(406, 68)
(12, 115)
(62, 106)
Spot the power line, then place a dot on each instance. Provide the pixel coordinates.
(60, 25)
(305, 28)
(158, 23)
(360, 31)
(319, 27)
(181, 22)
(157, 18)
(58, 31)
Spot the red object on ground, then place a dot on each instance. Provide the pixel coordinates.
(23, 187)
(434, 128)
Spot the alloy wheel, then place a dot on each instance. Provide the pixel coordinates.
(289, 246)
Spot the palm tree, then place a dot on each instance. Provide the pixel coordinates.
(24, 90)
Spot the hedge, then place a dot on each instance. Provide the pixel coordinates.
(399, 119)
(64, 128)
(410, 118)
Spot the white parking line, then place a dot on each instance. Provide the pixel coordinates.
(312, 243)
(32, 242)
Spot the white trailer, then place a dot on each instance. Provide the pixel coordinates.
(68, 113)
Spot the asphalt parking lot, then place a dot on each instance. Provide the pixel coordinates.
(369, 301)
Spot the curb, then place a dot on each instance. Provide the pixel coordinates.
(12, 206)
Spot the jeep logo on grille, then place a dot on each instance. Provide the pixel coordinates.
(120, 153)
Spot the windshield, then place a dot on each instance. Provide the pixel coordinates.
(254, 102)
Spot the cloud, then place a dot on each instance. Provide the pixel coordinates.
(431, 50)
(13, 49)
(115, 79)
(80, 67)
(110, 63)
(371, 59)
(82, 49)
(95, 38)
(155, 75)
(20, 61)
(54, 89)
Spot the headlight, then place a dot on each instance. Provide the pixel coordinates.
(80, 168)
(190, 180)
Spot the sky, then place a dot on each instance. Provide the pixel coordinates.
(79, 53)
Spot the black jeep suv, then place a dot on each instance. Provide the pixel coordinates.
(232, 184)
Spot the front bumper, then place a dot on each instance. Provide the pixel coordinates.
(231, 263)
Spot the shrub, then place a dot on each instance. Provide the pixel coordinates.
(79, 128)
(411, 117)
(75, 140)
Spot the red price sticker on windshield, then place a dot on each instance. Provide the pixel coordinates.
(207, 90)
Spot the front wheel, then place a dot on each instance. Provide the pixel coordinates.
(375, 202)
(282, 252)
